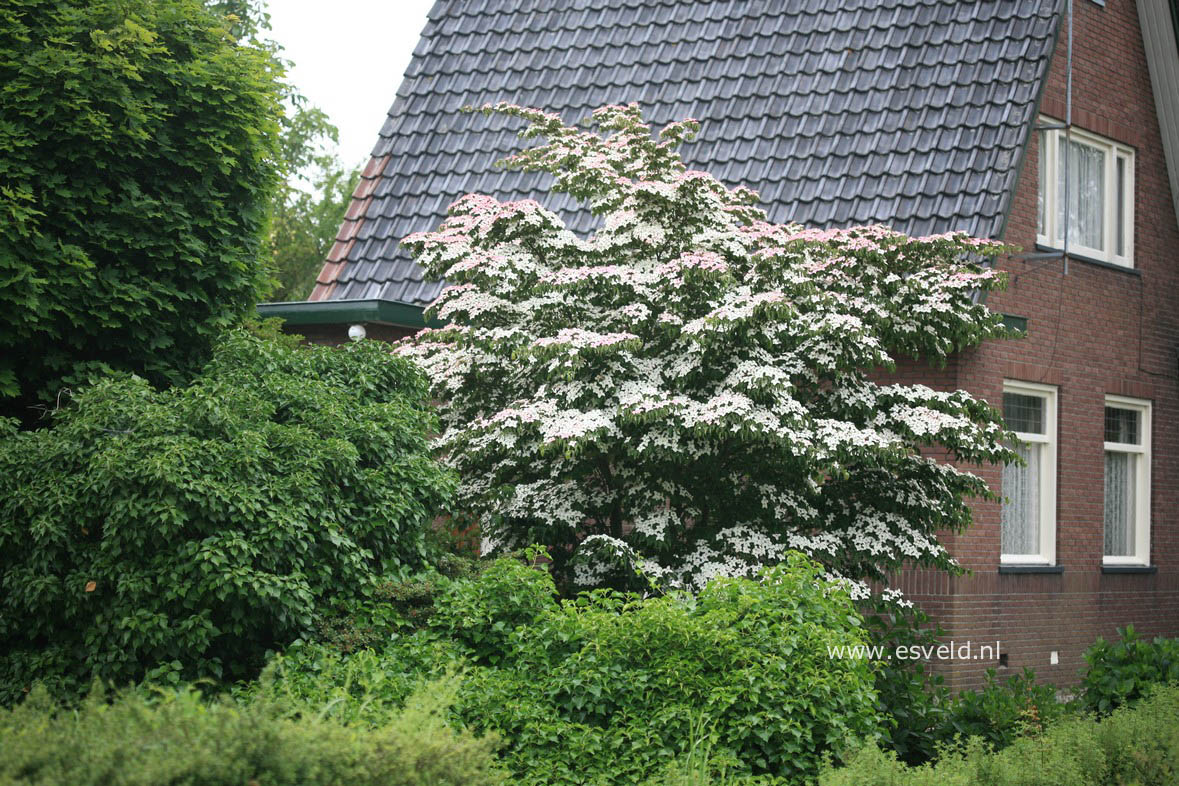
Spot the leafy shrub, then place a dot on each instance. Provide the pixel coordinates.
(1000, 712)
(914, 700)
(1122, 672)
(483, 614)
(1135, 745)
(137, 156)
(180, 737)
(393, 607)
(607, 687)
(359, 688)
(202, 526)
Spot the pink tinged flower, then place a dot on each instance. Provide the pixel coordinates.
(577, 338)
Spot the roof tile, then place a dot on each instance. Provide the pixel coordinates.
(911, 113)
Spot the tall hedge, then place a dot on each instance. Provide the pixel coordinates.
(190, 531)
(137, 157)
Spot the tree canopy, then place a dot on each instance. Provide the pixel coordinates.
(690, 389)
(303, 226)
(138, 147)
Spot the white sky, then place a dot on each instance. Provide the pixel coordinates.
(349, 58)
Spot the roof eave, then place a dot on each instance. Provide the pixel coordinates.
(340, 312)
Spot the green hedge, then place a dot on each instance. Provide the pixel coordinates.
(180, 737)
(190, 531)
(611, 688)
(1135, 745)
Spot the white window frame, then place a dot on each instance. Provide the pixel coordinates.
(1141, 555)
(1047, 554)
(1052, 236)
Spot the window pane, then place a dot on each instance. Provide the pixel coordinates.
(1120, 196)
(1120, 482)
(1086, 193)
(1121, 425)
(1024, 413)
(1040, 195)
(1020, 518)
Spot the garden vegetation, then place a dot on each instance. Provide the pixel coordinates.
(138, 142)
(162, 736)
(614, 688)
(192, 530)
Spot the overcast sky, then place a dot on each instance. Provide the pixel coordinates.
(349, 58)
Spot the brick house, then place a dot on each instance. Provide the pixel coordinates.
(928, 116)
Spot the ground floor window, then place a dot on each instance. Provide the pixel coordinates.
(1127, 481)
(1028, 518)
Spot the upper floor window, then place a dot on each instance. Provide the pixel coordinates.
(1091, 181)
(1127, 481)
(1028, 515)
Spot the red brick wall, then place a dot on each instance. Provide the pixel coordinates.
(1094, 332)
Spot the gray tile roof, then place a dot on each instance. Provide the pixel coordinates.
(912, 113)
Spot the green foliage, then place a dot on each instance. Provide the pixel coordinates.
(306, 210)
(1001, 712)
(481, 615)
(364, 687)
(393, 607)
(180, 737)
(202, 526)
(915, 700)
(612, 688)
(701, 766)
(1122, 672)
(1138, 745)
(303, 225)
(137, 158)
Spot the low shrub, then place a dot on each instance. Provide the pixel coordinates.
(1002, 711)
(1123, 671)
(924, 717)
(394, 607)
(360, 688)
(608, 687)
(915, 701)
(481, 615)
(181, 737)
(200, 527)
(1135, 745)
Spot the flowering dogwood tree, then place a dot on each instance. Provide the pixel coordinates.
(689, 390)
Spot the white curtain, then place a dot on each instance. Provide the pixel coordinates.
(1120, 477)
(1020, 518)
(1086, 194)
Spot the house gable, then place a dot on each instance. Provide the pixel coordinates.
(913, 114)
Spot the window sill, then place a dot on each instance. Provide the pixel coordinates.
(1141, 569)
(1017, 569)
(1074, 256)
